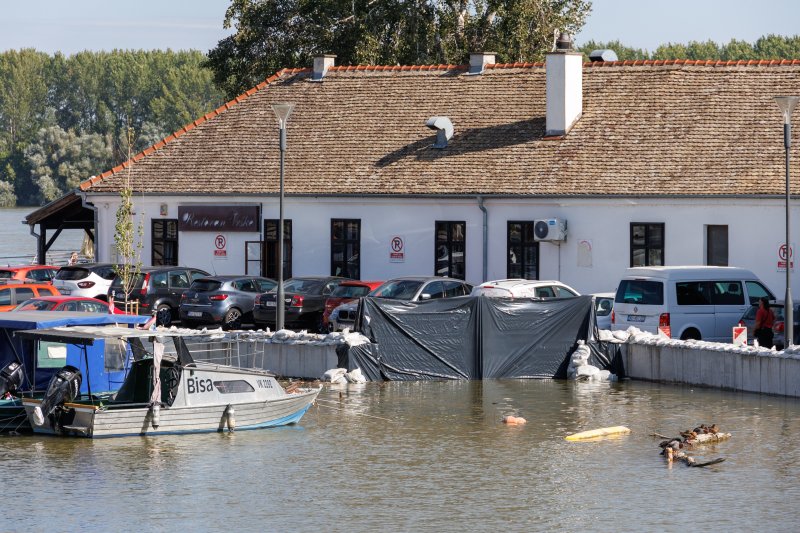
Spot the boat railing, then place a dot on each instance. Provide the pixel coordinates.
(231, 350)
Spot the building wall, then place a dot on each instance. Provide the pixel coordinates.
(755, 232)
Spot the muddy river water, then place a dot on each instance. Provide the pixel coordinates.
(429, 456)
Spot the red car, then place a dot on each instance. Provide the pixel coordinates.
(347, 291)
(65, 303)
(40, 273)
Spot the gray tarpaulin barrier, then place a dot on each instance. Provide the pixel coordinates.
(474, 338)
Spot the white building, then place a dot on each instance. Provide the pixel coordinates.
(646, 162)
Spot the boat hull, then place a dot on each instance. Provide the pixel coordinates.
(125, 420)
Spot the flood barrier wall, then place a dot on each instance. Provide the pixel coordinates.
(765, 372)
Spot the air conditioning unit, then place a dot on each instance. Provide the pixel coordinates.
(551, 229)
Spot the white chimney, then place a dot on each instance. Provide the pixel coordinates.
(321, 66)
(564, 70)
(479, 60)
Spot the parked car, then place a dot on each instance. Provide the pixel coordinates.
(90, 279)
(15, 292)
(524, 288)
(748, 320)
(304, 302)
(64, 303)
(603, 305)
(702, 302)
(410, 289)
(347, 291)
(157, 289)
(224, 300)
(40, 273)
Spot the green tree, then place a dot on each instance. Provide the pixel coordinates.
(272, 34)
(623, 52)
(59, 160)
(127, 236)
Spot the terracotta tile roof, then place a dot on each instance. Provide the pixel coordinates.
(674, 127)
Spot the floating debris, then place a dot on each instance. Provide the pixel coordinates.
(601, 432)
(674, 449)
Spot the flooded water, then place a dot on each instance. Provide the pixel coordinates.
(18, 246)
(430, 456)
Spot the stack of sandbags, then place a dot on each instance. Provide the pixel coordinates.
(579, 368)
(340, 376)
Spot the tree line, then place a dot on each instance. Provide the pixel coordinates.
(64, 119)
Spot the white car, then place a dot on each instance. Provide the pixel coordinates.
(524, 288)
(92, 280)
(603, 305)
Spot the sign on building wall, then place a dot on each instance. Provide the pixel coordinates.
(397, 251)
(220, 247)
(243, 218)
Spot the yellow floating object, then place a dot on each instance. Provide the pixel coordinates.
(594, 433)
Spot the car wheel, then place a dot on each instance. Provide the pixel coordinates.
(164, 315)
(232, 319)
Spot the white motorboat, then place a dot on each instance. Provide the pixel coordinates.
(165, 392)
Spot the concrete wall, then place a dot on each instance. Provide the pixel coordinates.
(599, 225)
(766, 374)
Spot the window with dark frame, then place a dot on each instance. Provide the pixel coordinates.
(717, 245)
(164, 233)
(647, 244)
(270, 249)
(522, 260)
(450, 249)
(346, 247)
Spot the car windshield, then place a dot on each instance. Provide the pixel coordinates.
(303, 286)
(72, 273)
(397, 289)
(349, 291)
(137, 283)
(35, 305)
(604, 306)
(639, 291)
(206, 285)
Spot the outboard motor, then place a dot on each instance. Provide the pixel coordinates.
(64, 387)
(10, 378)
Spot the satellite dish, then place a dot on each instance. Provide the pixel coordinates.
(540, 229)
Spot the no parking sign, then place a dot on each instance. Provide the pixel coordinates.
(397, 252)
(220, 244)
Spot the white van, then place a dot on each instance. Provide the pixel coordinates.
(686, 302)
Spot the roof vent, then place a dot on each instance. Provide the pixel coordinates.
(564, 42)
(603, 55)
(444, 130)
(479, 60)
(321, 65)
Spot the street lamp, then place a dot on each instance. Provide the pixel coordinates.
(282, 112)
(787, 105)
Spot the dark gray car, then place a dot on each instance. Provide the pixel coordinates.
(224, 300)
(157, 289)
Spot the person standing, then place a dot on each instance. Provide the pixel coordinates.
(764, 320)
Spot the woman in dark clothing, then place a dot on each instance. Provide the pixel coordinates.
(763, 327)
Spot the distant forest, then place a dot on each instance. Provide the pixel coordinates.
(66, 118)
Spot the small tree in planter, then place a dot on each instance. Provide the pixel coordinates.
(127, 236)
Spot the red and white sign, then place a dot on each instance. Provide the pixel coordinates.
(739, 335)
(782, 255)
(397, 253)
(219, 244)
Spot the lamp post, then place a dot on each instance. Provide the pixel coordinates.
(282, 112)
(787, 105)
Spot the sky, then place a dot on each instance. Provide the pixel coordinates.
(71, 26)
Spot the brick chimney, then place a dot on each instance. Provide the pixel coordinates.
(564, 69)
(321, 65)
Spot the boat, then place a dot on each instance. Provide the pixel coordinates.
(165, 392)
(27, 365)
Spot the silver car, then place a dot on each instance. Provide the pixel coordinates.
(224, 300)
(410, 289)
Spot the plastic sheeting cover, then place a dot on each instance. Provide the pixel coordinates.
(473, 338)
